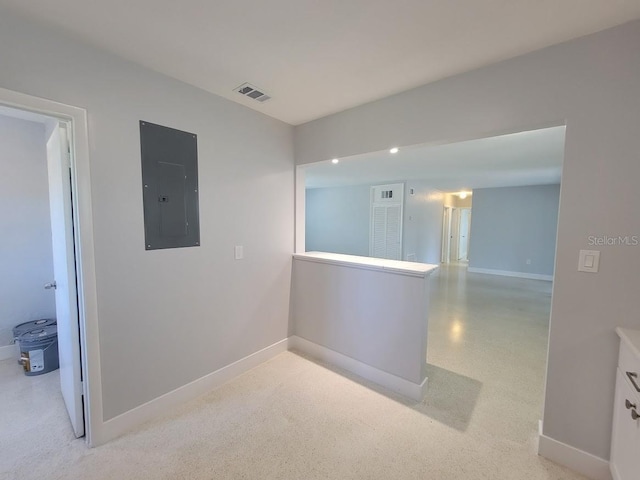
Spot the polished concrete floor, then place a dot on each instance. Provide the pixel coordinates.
(292, 418)
(489, 334)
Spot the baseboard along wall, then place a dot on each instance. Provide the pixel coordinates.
(397, 384)
(578, 460)
(125, 422)
(506, 273)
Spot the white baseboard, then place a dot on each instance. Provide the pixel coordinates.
(397, 384)
(9, 351)
(121, 424)
(506, 273)
(577, 460)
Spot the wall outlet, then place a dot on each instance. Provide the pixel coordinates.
(528, 261)
(239, 252)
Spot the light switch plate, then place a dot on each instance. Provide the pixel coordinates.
(589, 261)
(239, 252)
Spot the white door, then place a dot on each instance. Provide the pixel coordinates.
(463, 243)
(446, 235)
(454, 235)
(386, 221)
(64, 269)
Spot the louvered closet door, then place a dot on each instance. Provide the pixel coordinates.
(379, 240)
(386, 222)
(393, 232)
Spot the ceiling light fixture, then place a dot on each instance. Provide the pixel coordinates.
(462, 195)
(394, 150)
(335, 160)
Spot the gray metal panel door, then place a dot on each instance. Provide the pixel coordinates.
(170, 187)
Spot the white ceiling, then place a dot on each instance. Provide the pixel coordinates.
(317, 57)
(525, 158)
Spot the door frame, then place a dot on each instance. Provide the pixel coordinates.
(445, 253)
(454, 235)
(84, 246)
(468, 232)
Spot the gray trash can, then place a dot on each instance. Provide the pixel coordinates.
(33, 324)
(25, 327)
(39, 350)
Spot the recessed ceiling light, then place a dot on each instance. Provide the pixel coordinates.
(394, 150)
(335, 160)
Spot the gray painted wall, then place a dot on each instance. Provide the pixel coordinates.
(592, 84)
(374, 316)
(26, 260)
(337, 221)
(168, 317)
(422, 233)
(511, 225)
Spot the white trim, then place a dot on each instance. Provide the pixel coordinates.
(398, 267)
(83, 224)
(9, 351)
(506, 273)
(163, 404)
(573, 458)
(299, 209)
(399, 385)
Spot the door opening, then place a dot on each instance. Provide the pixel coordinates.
(456, 234)
(55, 141)
(464, 230)
(85, 366)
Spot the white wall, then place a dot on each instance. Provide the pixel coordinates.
(168, 317)
(337, 220)
(512, 225)
(451, 200)
(592, 84)
(422, 224)
(26, 260)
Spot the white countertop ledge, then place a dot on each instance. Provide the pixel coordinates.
(412, 269)
(631, 338)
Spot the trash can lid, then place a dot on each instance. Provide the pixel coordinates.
(39, 333)
(26, 326)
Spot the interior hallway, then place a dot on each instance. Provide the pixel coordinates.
(291, 418)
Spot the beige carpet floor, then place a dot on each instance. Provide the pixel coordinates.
(292, 418)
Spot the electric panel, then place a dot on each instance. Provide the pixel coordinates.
(169, 186)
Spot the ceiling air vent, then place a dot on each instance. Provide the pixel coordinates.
(251, 91)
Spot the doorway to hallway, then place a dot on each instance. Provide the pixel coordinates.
(456, 234)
